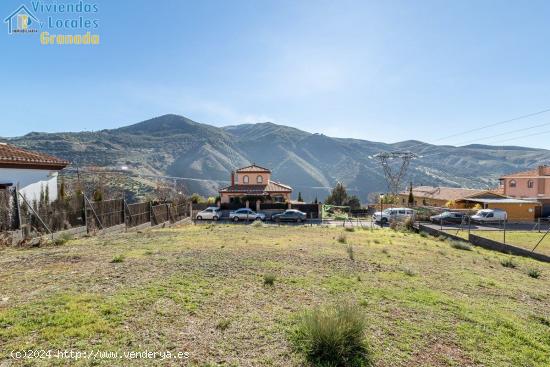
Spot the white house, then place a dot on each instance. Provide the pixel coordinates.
(30, 172)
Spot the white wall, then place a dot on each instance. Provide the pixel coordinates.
(30, 182)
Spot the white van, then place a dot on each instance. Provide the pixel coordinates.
(393, 214)
(489, 215)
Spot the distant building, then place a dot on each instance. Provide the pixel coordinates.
(517, 209)
(30, 172)
(532, 185)
(253, 183)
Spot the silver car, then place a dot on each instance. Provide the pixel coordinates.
(213, 213)
(245, 214)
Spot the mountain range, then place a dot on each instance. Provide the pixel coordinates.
(204, 155)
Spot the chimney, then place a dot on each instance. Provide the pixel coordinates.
(232, 178)
(541, 171)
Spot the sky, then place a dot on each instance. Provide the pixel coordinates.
(377, 70)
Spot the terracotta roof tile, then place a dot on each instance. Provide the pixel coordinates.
(253, 168)
(442, 193)
(12, 156)
(531, 173)
(272, 186)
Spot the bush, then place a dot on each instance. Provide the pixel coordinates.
(333, 336)
(223, 324)
(350, 252)
(409, 272)
(460, 245)
(258, 224)
(508, 263)
(534, 273)
(423, 234)
(269, 279)
(342, 238)
(118, 259)
(350, 229)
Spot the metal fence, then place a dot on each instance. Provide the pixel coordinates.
(80, 215)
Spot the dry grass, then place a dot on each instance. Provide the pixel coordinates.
(177, 289)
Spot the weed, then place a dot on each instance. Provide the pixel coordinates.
(333, 336)
(349, 250)
(377, 241)
(350, 229)
(118, 259)
(386, 251)
(508, 263)
(269, 279)
(63, 239)
(460, 245)
(223, 324)
(342, 238)
(409, 272)
(258, 224)
(423, 234)
(534, 273)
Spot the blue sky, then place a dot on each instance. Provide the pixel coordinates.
(385, 70)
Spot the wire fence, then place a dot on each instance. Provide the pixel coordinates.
(78, 213)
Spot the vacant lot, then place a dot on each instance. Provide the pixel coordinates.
(524, 239)
(200, 289)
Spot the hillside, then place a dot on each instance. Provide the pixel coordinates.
(176, 146)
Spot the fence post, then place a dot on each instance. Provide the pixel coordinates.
(504, 224)
(85, 214)
(37, 215)
(151, 212)
(18, 208)
(124, 211)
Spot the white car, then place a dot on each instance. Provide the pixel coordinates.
(489, 216)
(213, 213)
(245, 214)
(393, 214)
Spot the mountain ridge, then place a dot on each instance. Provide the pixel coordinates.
(174, 145)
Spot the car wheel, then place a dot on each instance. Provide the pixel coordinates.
(199, 217)
(215, 217)
(384, 220)
(235, 219)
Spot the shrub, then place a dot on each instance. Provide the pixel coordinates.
(534, 273)
(342, 238)
(350, 229)
(223, 324)
(333, 336)
(508, 263)
(409, 272)
(460, 245)
(257, 224)
(269, 279)
(118, 259)
(350, 252)
(423, 234)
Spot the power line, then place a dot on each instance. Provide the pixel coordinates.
(486, 127)
(505, 133)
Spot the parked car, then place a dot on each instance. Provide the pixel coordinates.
(489, 216)
(448, 217)
(245, 214)
(290, 215)
(212, 212)
(393, 214)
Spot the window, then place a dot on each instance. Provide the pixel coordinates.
(245, 179)
(259, 179)
(530, 184)
(513, 183)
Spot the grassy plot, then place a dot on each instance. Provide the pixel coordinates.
(523, 239)
(237, 295)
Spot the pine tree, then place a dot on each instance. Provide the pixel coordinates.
(338, 196)
(411, 196)
(300, 197)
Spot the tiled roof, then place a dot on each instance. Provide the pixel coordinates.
(272, 186)
(253, 168)
(531, 173)
(11, 156)
(442, 193)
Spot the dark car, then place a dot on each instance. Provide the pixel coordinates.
(290, 215)
(448, 217)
